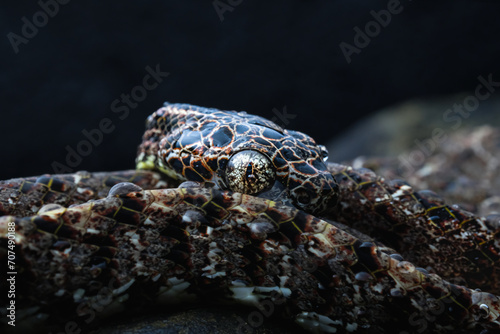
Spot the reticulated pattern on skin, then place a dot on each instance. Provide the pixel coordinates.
(194, 143)
(187, 244)
(438, 237)
(443, 239)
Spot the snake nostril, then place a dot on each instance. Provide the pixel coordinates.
(332, 199)
(303, 197)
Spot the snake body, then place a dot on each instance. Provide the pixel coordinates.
(147, 243)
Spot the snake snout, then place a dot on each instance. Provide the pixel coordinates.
(317, 195)
(328, 195)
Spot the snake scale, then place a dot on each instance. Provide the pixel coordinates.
(227, 207)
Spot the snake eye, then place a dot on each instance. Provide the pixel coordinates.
(249, 172)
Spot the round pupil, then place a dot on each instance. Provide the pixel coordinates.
(249, 172)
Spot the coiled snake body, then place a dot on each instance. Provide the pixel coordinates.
(336, 249)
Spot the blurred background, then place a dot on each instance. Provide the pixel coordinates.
(321, 67)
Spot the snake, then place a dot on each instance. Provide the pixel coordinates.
(229, 207)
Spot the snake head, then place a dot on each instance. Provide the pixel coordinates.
(312, 187)
(239, 152)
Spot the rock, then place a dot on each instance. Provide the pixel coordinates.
(420, 142)
(209, 320)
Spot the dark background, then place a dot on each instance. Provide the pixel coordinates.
(263, 55)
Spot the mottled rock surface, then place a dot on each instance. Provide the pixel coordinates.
(425, 144)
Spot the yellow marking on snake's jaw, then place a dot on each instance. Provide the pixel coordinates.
(144, 165)
(150, 163)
